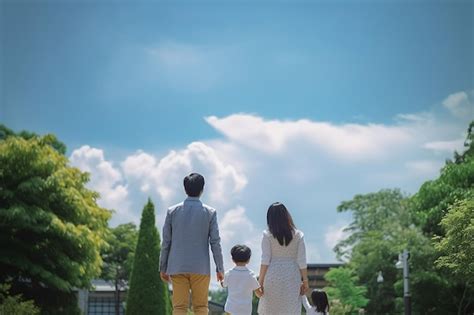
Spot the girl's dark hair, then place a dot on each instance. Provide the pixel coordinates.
(320, 301)
(280, 223)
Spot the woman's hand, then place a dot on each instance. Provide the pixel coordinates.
(304, 287)
(261, 277)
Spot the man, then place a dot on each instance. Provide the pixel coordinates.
(190, 227)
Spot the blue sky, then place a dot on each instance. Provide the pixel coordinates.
(303, 102)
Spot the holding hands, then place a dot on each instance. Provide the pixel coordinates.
(304, 287)
(165, 277)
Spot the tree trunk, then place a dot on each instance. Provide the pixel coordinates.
(462, 300)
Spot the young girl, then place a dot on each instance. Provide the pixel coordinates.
(320, 301)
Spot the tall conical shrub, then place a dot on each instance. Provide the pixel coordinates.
(147, 293)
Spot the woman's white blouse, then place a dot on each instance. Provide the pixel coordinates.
(271, 249)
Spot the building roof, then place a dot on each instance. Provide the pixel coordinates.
(325, 265)
(101, 285)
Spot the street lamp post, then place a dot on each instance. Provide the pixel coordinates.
(403, 264)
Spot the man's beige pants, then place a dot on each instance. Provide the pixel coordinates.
(199, 286)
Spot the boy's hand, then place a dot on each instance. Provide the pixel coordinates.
(220, 276)
(260, 281)
(259, 292)
(165, 277)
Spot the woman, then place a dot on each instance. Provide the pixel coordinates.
(283, 274)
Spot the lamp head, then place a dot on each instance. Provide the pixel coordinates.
(380, 277)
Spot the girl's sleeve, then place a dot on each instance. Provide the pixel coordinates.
(301, 255)
(266, 249)
(306, 304)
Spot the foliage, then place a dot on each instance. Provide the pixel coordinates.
(457, 246)
(468, 145)
(118, 257)
(437, 208)
(456, 182)
(373, 212)
(342, 286)
(49, 139)
(15, 304)
(52, 228)
(218, 296)
(374, 243)
(382, 228)
(337, 308)
(56, 302)
(147, 294)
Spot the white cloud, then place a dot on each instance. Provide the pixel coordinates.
(334, 234)
(425, 168)
(234, 223)
(236, 228)
(312, 253)
(417, 118)
(445, 146)
(460, 105)
(309, 165)
(346, 142)
(165, 176)
(105, 179)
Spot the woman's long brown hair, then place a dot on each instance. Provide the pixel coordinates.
(280, 223)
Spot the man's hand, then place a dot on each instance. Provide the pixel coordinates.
(165, 277)
(259, 292)
(220, 276)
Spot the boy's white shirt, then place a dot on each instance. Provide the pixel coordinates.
(240, 282)
(310, 310)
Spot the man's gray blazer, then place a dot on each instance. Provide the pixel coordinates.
(190, 227)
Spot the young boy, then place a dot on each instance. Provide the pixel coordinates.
(240, 283)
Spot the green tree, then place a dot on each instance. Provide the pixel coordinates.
(432, 206)
(382, 227)
(468, 145)
(15, 304)
(342, 286)
(457, 246)
(372, 212)
(52, 228)
(49, 139)
(147, 294)
(118, 258)
(456, 182)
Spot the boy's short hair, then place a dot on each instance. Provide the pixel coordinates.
(193, 184)
(240, 253)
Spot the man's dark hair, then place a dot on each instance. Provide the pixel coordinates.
(193, 184)
(240, 253)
